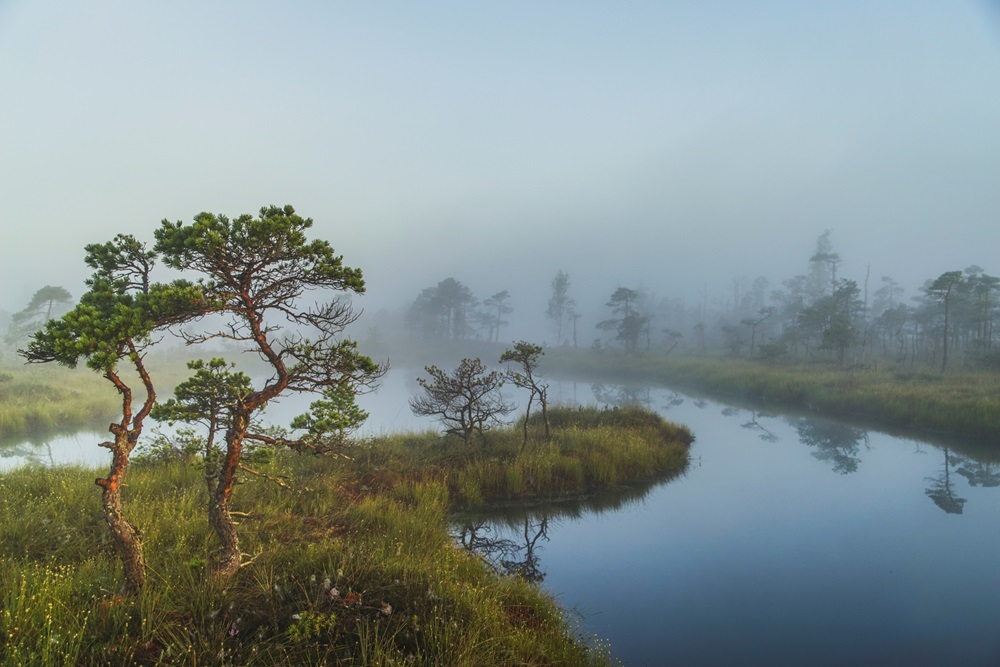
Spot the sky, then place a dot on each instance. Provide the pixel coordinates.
(672, 146)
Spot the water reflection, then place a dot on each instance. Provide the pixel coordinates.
(979, 473)
(941, 491)
(621, 395)
(835, 443)
(509, 537)
(762, 431)
(515, 556)
(840, 445)
(53, 448)
(39, 453)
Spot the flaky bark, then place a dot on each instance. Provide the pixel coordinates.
(126, 536)
(229, 556)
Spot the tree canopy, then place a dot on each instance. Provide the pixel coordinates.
(256, 272)
(114, 323)
(466, 400)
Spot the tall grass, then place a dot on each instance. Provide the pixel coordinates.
(34, 399)
(352, 564)
(958, 403)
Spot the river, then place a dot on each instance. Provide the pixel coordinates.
(791, 540)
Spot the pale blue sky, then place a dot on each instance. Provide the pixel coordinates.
(661, 143)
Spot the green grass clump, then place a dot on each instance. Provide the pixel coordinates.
(352, 564)
(591, 449)
(577, 461)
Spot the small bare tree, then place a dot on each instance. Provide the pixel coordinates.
(526, 355)
(466, 401)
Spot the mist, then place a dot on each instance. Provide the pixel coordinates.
(666, 148)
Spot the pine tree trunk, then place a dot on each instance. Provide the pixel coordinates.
(227, 563)
(127, 538)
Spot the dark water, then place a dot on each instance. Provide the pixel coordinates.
(790, 541)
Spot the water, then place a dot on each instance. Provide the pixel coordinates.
(789, 541)
(388, 407)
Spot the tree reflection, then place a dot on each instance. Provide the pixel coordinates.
(526, 566)
(621, 395)
(835, 443)
(940, 490)
(478, 536)
(31, 453)
(508, 556)
(979, 473)
(508, 538)
(20, 454)
(763, 432)
(673, 400)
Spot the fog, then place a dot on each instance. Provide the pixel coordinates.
(671, 147)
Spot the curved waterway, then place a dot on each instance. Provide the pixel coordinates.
(790, 541)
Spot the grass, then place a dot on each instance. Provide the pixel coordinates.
(49, 399)
(353, 564)
(956, 403)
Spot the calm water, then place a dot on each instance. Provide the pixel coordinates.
(790, 541)
(388, 407)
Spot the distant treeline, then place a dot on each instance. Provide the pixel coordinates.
(816, 316)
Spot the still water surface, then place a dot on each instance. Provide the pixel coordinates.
(789, 541)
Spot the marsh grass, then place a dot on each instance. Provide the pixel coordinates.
(41, 399)
(352, 564)
(957, 403)
(49, 400)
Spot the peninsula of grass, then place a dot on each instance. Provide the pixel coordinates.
(956, 403)
(352, 561)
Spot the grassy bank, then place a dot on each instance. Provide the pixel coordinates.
(966, 404)
(42, 399)
(590, 450)
(37, 399)
(353, 563)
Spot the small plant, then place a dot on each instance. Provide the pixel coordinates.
(184, 446)
(311, 625)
